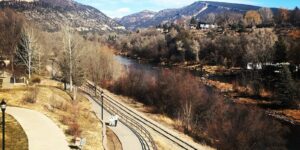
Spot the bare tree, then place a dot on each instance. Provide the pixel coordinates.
(28, 50)
(181, 49)
(266, 15)
(10, 28)
(71, 59)
(211, 18)
(195, 47)
(259, 46)
(100, 64)
(282, 16)
(228, 18)
(252, 18)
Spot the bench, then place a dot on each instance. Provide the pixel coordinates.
(78, 144)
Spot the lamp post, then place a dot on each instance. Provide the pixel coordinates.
(102, 102)
(3, 108)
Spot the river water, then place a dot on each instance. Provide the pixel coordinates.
(293, 137)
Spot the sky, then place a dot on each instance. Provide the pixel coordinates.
(120, 8)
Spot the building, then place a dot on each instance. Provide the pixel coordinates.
(204, 26)
(259, 66)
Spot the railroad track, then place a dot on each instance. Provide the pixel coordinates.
(142, 120)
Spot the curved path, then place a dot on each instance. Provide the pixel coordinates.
(42, 133)
(128, 139)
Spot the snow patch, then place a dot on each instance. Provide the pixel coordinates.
(203, 9)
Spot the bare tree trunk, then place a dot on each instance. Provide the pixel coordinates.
(75, 93)
(39, 62)
(70, 53)
(29, 64)
(95, 89)
(13, 69)
(187, 114)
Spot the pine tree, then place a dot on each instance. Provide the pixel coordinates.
(280, 51)
(295, 17)
(193, 21)
(285, 87)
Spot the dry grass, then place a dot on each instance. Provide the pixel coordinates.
(57, 104)
(292, 113)
(221, 85)
(160, 141)
(250, 101)
(16, 138)
(213, 69)
(113, 142)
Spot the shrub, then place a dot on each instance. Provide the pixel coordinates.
(66, 120)
(35, 80)
(237, 127)
(63, 106)
(74, 129)
(73, 126)
(202, 112)
(31, 95)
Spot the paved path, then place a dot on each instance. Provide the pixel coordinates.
(42, 133)
(128, 139)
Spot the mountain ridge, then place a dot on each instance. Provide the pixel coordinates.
(52, 15)
(198, 9)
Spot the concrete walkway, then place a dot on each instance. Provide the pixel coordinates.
(128, 139)
(42, 133)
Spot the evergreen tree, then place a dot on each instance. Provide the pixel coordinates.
(284, 87)
(295, 17)
(280, 51)
(193, 21)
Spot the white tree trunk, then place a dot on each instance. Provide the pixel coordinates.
(70, 53)
(39, 62)
(75, 93)
(29, 64)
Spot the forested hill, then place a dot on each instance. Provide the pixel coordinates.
(201, 10)
(51, 15)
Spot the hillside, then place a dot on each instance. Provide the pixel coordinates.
(137, 19)
(51, 15)
(200, 10)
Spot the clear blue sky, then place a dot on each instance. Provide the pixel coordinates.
(119, 8)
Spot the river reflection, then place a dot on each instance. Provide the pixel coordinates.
(134, 64)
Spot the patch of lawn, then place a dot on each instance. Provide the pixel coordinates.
(57, 104)
(15, 137)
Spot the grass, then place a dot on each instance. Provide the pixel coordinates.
(113, 142)
(292, 113)
(15, 138)
(55, 103)
(160, 141)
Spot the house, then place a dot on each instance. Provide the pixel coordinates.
(259, 66)
(204, 26)
(252, 66)
(4, 62)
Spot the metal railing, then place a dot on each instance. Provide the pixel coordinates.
(142, 133)
(181, 143)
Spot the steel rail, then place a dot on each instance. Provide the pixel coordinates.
(143, 135)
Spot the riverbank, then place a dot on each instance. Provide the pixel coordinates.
(220, 78)
(290, 117)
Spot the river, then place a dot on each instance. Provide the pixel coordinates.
(293, 137)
